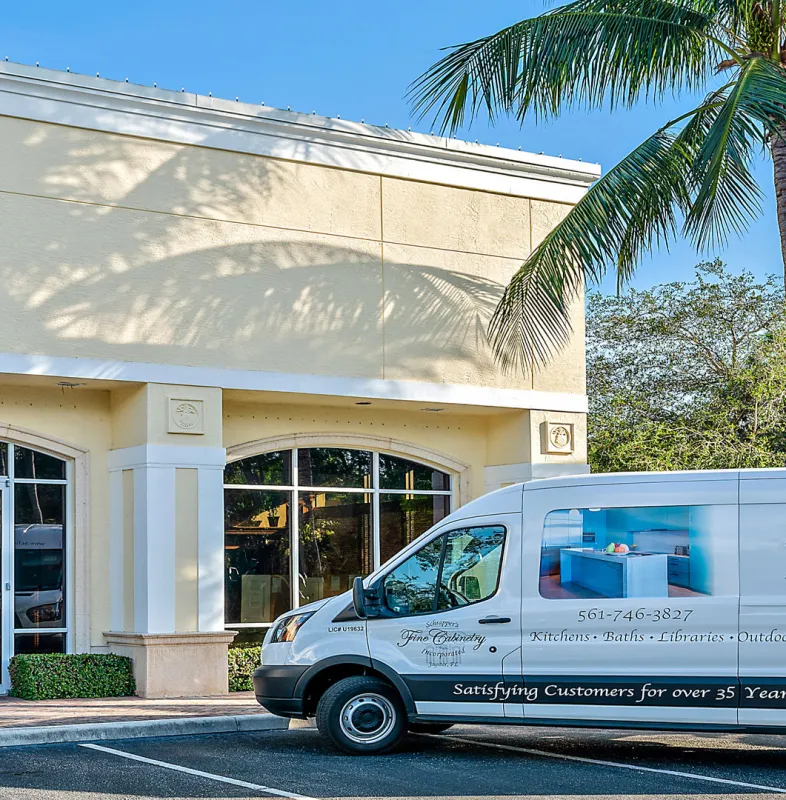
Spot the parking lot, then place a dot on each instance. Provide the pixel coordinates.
(466, 762)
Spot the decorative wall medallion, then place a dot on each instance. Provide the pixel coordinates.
(557, 437)
(185, 416)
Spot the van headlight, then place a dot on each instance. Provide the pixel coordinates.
(285, 630)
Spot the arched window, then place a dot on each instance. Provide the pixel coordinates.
(34, 504)
(354, 510)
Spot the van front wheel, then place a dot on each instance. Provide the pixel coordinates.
(362, 715)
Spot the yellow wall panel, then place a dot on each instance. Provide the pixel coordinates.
(113, 283)
(437, 307)
(100, 168)
(455, 219)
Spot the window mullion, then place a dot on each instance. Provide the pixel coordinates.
(294, 532)
(376, 522)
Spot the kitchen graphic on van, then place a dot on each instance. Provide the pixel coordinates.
(628, 552)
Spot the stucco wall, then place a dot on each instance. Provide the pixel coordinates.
(144, 250)
(99, 421)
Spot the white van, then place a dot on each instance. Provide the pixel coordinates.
(652, 600)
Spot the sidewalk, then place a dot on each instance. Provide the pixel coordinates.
(47, 721)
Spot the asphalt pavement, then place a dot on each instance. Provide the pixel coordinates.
(466, 762)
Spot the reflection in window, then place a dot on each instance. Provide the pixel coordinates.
(403, 517)
(39, 555)
(29, 643)
(257, 555)
(268, 469)
(471, 566)
(336, 528)
(30, 464)
(399, 473)
(663, 551)
(464, 564)
(335, 542)
(39, 503)
(333, 466)
(411, 587)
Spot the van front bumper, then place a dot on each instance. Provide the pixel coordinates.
(274, 687)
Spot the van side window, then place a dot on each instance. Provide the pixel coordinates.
(464, 564)
(655, 551)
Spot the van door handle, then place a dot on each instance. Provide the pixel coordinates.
(493, 620)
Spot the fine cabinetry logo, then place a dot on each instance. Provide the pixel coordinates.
(439, 636)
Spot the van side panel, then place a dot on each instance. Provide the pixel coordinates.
(644, 632)
(762, 601)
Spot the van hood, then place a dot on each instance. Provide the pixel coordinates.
(315, 606)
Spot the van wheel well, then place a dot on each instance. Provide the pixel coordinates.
(323, 680)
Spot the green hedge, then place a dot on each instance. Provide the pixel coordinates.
(242, 663)
(53, 676)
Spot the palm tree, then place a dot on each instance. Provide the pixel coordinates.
(691, 176)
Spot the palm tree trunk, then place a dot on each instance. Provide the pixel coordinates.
(778, 146)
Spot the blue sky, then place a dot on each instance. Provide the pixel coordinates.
(350, 58)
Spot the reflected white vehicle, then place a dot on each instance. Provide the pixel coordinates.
(38, 576)
(653, 600)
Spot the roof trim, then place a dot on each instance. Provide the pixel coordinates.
(295, 383)
(66, 98)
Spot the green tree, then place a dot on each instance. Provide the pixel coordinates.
(692, 175)
(688, 375)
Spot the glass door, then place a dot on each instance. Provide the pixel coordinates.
(34, 509)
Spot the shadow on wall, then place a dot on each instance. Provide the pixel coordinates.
(199, 285)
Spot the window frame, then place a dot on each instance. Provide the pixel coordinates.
(294, 488)
(11, 482)
(445, 534)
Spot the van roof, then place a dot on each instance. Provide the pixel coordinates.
(509, 498)
(588, 479)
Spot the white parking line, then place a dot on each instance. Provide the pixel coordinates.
(198, 773)
(600, 762)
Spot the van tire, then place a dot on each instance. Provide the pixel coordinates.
(429, 727)
(362, 716)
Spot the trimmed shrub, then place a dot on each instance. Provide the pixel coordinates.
(53, 676)
(242, 663)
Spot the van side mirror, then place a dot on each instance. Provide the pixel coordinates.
(359, 598)
(365, 601)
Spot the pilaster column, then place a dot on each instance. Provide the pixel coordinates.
(167, 539)
(534, 444)
(144, 530)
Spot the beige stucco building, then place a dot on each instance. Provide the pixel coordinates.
(187, 282)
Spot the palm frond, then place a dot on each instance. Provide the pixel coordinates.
(586, 53)
(727, 197)
(634, 206)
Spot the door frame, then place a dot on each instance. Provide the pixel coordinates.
(6, 583)
(8, 629)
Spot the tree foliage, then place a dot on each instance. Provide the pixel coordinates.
(691, 177)
(688, 375)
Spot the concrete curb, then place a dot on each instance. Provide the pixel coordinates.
(137, 729)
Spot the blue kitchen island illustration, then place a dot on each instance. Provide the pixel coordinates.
(616, 574)
(644, 551)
